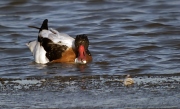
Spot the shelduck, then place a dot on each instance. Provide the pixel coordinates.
(52, 46)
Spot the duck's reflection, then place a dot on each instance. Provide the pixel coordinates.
(82, 67)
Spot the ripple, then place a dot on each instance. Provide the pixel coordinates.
(149, 47)
(156, 25)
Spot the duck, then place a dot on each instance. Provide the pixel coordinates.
(52, 46)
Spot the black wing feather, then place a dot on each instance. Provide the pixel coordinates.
(53, 51)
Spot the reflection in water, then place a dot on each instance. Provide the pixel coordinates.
(82, 67)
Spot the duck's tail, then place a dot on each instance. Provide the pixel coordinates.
(44, 25)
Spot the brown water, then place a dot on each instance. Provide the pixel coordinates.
(136, 37)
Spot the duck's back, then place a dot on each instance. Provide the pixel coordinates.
(50, 45)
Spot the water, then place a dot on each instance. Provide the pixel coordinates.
(137, 37)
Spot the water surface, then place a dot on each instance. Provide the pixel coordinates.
(137, 37)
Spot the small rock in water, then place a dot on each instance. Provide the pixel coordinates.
(128, 81)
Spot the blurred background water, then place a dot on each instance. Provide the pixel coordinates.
(136, 37)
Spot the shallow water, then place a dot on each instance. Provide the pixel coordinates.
(137, 37)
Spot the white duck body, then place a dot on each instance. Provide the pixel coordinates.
(38, 50)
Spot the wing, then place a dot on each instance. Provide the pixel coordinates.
(57, 38)
(50, 44)
(55, 43)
